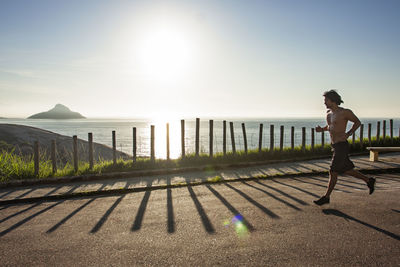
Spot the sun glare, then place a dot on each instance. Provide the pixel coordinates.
(165, 53)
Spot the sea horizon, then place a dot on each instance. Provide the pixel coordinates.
(102, 132)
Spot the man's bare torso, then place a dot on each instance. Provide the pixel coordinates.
(337, 124)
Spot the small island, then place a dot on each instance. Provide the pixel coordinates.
(59, 112)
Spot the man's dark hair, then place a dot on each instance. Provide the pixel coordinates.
(333, 96)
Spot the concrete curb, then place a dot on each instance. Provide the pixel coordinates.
(114, 192)
(138, 173)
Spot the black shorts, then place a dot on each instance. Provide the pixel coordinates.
(340, 159)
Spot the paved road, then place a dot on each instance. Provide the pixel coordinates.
(255, 223)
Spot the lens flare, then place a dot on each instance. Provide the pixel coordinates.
(240, 227)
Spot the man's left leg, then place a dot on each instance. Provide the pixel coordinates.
(369, 181)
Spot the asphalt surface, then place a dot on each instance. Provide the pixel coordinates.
(253, 223)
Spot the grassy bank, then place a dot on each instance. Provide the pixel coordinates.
(14, 167)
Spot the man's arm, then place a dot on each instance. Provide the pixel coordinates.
(321, 129)
(356, 122)
(325, 128)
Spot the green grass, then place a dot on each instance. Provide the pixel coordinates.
(13, 167)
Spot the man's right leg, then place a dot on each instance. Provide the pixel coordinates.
(331, 185)
(332, 182)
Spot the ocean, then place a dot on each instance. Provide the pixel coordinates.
(102, 132)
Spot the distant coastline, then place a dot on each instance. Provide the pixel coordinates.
(59, 112)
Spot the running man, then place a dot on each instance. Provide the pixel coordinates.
(337, 119)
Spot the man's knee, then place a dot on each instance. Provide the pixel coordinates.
(333, 173)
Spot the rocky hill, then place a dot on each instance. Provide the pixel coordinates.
(59, 112)
(21, 138)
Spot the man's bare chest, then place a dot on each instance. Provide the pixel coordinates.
(337, 121)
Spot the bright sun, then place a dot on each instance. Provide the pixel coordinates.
(165, 54)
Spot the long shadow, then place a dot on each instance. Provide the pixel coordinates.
(142, 209)
(26, 193)
(282, 171)
(170, 209)
(368, 163)
(391, 164)
(19, 212)
(296, 169)
(18, 224)
(52, 229)
(34, 205)
(323, 186)
(53, 191)
(283, 193)
(255, 203)
(69, 216)
(7, 193)
(297, 188)
(107, 214)
(322, 165)
(104, 218)
(344, 215)
(72, 189)
(203, 215)
(273, 196)
(304, 167)
(232, 209)
(387, 178)
(337, 183)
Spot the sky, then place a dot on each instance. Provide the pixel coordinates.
(181, 59)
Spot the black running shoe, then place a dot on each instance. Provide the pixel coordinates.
(371, 185)
(323, 200)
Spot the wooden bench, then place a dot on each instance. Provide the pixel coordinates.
(374, 151)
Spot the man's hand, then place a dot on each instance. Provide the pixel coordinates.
(348, 134)
(319, 129)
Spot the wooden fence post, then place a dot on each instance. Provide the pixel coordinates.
(391, 130)
(75, 145)
(211, 138)
(362, 135)
(183, 138)
(90, 139)
(378, 131)
(224, 137)
(232, 138)
(197, 136)
(292, 138)
(36, 157)
(323, 139)
(152, 152)
(384, 130)
(369, 133)
(353, 138)
(53, 156)
(271, 137)
(114, 147)
(134, 145)
(312, 138)
(260, 138)
(167, 141)
(244, 137)
(303, 138)
(281, 138)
